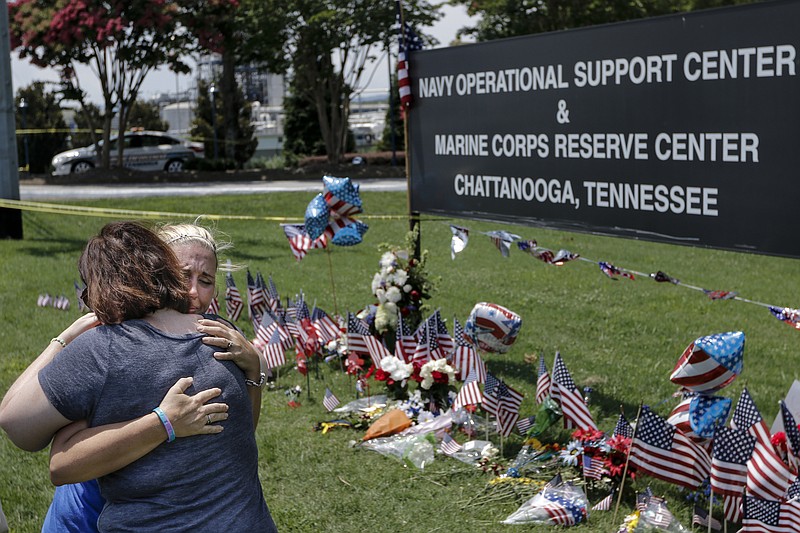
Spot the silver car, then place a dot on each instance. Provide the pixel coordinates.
(144, 150)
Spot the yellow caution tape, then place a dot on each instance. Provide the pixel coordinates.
(64, 209)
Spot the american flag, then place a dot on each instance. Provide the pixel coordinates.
(710, 363)
(794, 490)
(593, 468)
(273, 351)
(330, 401)
(502, 240)
(233, 300)
(702, 519)
(787, 315)
(524, 424)
(562, 511)
(256, 301)
(503, 401)
(563, 390)
(459, 241)
(79, 295)
(449, 446)
(612, 272)
(470, 393)
(405, 342)
(792, 438)
(663, 277)
(769, 516)
(489, 400)
(425, 341)
(767, 475)
(732, 507)
(605, 503)
(565, 256)
(527, 245)
(213, 307)
(720, 295)
(443, 338)
(542, 382)
(409, 42)
(623, 428)
(273, 297)
(747, 417)
(300, 242)
(664, 452)
(465, 357)
(356, 331)
(376, 349)
(327, 329)
(732, 449)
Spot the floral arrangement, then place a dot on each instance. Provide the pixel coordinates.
(394, 373)
(610, 451)
(401, 285)
(435, 380)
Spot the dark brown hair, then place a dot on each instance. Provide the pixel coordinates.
(130, 272)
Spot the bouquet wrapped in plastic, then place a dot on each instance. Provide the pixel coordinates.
(558, 503)
(416, 450)
(652, 516)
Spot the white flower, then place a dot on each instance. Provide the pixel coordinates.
(380, 294)
(424, 416)
(397, 369)
(400, 277)
(438, 365)
(402, 254)
(377, 282)
(407, 288)
(388, 260)
(393, 294)
(381, 318)
(391, 310)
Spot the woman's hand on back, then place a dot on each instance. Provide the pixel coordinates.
(193, 415)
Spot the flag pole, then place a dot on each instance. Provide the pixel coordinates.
(627, 461)
(333, 285)
(413, 217)
(710, 506)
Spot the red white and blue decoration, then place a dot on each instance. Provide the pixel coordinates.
(492, 327)
(710, 363)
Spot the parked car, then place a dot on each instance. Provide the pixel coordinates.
(144, 150)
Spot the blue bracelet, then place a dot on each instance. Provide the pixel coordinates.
(167, 424)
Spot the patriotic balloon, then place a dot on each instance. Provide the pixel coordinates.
(492, 327)
(710, 363)
(698, 416)
(330, 213)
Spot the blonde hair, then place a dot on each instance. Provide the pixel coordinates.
(194, 233)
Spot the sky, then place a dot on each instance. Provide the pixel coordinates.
(164, 81)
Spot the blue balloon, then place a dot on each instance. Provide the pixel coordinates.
(361, 228)
(347, 236)
(317, 214)
(342, 195)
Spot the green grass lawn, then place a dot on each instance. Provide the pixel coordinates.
(621, 337)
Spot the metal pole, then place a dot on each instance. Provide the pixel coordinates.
(23, 105)
(212, 91)
(10, 219)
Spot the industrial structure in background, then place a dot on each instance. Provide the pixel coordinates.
(266, 91)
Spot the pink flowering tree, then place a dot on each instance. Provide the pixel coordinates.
(121, 41)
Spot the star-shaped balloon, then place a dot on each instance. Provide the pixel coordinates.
(330, 213)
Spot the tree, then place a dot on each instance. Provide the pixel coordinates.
(394, 135)
(42, 114)
(145, 115)
(330, 43)
(243, 145)
(301, 131)
(121, 40)
(511, 18)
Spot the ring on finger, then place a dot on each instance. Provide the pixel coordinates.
(208, 420)
(230, 343)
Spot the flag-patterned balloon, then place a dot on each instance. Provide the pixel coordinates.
(349, 235)
(492, 327)
(342, 195)
(710, 363)
(679, 417)
(707, 413)
(316, 218)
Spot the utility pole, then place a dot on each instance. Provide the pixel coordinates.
(10, 219)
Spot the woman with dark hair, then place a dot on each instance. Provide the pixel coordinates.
(122, 370)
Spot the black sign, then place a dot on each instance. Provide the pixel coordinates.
(682, 129)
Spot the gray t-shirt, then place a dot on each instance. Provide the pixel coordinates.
(203, 483)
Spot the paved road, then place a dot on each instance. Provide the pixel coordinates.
(88, 192)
